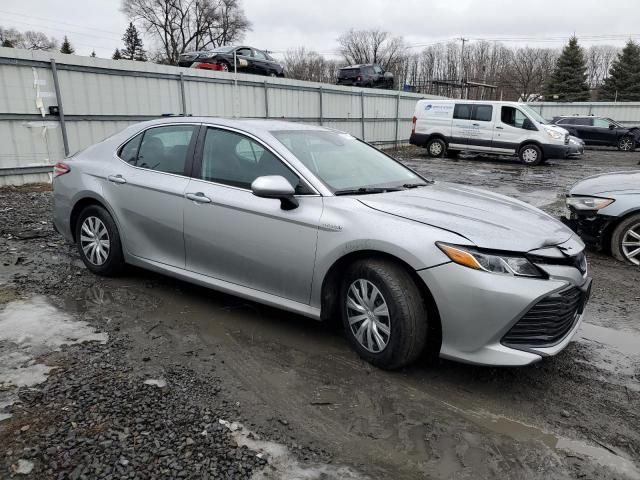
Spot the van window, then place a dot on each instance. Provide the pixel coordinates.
(482, 113)
(462, 111)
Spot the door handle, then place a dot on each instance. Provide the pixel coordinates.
(198, 197)
(119, 179)
(499, 128)
(475, 124)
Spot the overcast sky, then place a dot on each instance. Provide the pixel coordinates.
(280, 25)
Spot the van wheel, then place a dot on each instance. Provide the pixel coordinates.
(625, 240)
(383, 312)
(530, 155)
(436, 147)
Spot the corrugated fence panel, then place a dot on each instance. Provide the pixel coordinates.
(99, 97)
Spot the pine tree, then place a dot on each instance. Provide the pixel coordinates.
(66, 46)
(133, 45)
(117, 55)
(568, 82)
(93, 54)
(623, 82)
(7, 43)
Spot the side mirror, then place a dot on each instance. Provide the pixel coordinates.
(275, 186)
(611, 126)
(527, 124)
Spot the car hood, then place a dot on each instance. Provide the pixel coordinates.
(608, 182)
(487, 219)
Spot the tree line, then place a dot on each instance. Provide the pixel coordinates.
(479, 69)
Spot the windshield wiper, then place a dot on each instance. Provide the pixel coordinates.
(366, 190)
(415, 185)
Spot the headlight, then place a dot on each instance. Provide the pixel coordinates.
(554, 133)
(588, 203)
(504, 264)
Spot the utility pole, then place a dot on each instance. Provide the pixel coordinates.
(462, 89)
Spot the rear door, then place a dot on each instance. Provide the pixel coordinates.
(245, 60)
(584, 129)
(145, 190)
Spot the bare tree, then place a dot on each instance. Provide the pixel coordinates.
(182, 25)
(303, 64)
(30, 40)
(527, 71)
(371, 46)
(599, 59)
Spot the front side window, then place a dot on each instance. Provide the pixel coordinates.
(259, 55)
(601, 123)
(245, 52)
(233, 159)
(482, 113)
(462, 111)
(163, 149)
(343, 163)
(512, 116)
(377, 69)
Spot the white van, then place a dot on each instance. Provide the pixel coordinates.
(445, 127)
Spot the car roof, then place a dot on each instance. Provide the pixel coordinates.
(252, 125)
(360, 65)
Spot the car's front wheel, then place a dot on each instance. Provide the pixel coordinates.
(98, 241)
(625, 240)
(626, 144)
(383, 312)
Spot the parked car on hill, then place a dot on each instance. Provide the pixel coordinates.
(600, 131)
(447, 127)
(317, 222)
(369, 75)
(605, 211)
(249, 60)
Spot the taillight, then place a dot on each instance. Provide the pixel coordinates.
(60, 169)
(413, 124)
(208, 66)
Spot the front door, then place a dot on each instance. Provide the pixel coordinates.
(232, 235)
(602, 134)
(145, 188)
(510, 130)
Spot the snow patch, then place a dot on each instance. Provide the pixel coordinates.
(160, 383)
(24, 467)
(282, 464)
(28, 329)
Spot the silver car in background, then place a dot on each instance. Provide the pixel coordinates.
(605, 211)
(319, 223)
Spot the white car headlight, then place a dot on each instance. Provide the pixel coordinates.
(588, 203)
(554, 133)
(504, 264)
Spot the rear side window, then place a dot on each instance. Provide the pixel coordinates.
(587, 122)
(482, 113)
(462, 111)
(163, 149)
(565, 121)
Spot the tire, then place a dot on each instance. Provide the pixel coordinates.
(452, 153)
(406, 319)
(627, 232)
(225, 66)
(94, 219)
(626, 144)
(436, 147)
(273, 74)
(530, 154)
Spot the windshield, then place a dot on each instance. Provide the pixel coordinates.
(533, 114)
(613, 122)
(343, 162)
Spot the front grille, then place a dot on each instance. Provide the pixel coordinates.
(578, 261)
(548, 321)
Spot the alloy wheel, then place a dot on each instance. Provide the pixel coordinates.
(631, 244)
(225, 67)
(94, 240)
(625, 144)
(368, 315)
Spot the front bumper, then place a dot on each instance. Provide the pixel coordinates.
(591, 227)
(477, 309)
(555, 151)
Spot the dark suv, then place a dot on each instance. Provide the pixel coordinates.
(249, 60)
(600, 131)
(371, 75)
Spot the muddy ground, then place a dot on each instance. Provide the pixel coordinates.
(318, 410)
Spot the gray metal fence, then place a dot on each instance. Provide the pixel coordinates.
(627, 113)
(96, 98)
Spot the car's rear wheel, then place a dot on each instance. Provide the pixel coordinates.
(530, 154)
(98, 241)
(436, 147)
(625, 240)
(626, 144)
(383, 312)
(225, 66)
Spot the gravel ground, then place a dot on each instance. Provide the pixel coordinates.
(309, 408)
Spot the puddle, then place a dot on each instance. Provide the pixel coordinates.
(627, 343)
(521, 431)
(29, 329)
(282, 465)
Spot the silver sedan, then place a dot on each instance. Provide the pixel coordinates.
(319, 223)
